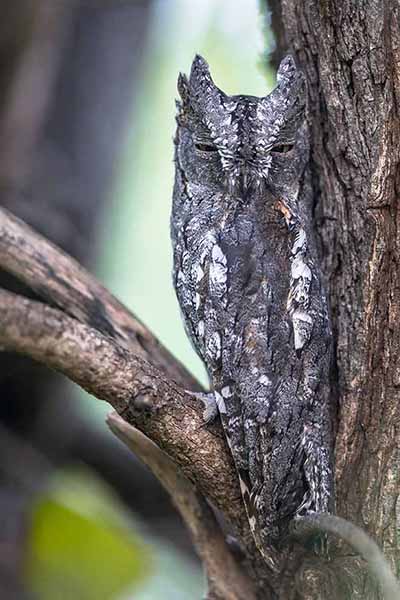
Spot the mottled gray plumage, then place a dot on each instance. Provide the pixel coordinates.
(248, 282)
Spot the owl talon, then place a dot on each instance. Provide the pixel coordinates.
(210, 412)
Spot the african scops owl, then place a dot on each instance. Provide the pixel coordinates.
(247, 277)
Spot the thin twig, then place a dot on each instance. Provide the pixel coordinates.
(360, 541)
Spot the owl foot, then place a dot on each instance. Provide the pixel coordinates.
(210, 412)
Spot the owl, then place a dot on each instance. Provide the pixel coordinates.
(247, 278)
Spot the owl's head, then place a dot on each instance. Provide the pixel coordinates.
(242, 143)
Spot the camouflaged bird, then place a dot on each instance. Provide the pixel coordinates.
(247, 277)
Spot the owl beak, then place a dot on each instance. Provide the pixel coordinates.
(243, 185)
(245, 181)
(248, 186)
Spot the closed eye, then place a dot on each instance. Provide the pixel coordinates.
(204, 147)
(282, 148)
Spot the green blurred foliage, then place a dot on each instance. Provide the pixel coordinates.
(82, 547)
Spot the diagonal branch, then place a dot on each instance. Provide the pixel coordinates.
(167, 414)
(59, 279)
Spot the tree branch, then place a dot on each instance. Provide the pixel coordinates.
(360, 541)
(225, 578)
(133, 387)
(60, 280)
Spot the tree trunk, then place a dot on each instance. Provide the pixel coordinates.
(350, 53)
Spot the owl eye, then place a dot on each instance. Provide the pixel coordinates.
(283, 148)
(204, 147)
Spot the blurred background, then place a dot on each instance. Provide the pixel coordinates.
(87, 105)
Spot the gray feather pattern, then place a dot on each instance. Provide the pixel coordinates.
(248, 282)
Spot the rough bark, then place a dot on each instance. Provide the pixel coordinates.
(350, 52)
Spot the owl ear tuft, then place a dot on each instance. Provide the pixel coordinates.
(291, 81)
(183, 88)
(202, 86)
(200, 73)
(287, 70)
